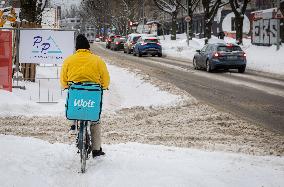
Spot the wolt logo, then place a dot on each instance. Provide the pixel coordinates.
(83, 103)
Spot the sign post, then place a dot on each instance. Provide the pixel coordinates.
(278, 14)
(188, 20)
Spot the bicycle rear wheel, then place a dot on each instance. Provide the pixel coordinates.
(82, 145)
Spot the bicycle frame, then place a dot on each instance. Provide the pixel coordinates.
(83, 143)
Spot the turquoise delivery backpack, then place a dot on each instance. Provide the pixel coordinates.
(84, 102)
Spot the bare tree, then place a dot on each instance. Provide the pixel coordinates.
(96, 13)
(239, 7)
(210, 10)
(106, 14)
(171, 7)
(190, 7)
(31, 10)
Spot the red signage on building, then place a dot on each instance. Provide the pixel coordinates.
(6, 60)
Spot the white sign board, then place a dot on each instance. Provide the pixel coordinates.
(45, 46)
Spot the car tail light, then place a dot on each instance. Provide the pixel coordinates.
(217, 55)
(158, 43)
(109, 40)
(244, 55)
(116, 43)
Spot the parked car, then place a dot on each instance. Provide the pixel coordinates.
(117, 44)
(91, 41)
(147, 45)
(220, 56)
(130, 43)
(110, 39)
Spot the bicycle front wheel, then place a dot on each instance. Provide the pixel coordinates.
(82, 145)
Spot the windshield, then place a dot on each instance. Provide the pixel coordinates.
(229, 48)
(119, 40)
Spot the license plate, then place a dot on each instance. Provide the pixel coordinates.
(232, 57)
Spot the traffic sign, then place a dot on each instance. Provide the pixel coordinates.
(187, 19)
(279, 14)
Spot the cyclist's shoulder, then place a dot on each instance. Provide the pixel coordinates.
(70, 58)
(97, 57)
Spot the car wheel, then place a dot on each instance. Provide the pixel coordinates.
(208, 66)
(128, 51)
(194, 64)
(139, 54)
(160, 54)
(242, 69)
(134, 54)
(124, 51)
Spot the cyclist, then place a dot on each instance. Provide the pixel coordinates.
(84, 66)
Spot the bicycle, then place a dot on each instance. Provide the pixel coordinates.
(83, 104)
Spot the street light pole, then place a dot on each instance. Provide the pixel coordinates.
(278, 27)
(143, 16)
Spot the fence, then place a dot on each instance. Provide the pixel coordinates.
(39, 78)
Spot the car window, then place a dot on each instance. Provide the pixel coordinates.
(152, 40)
(209, 48)
(229, 48)
(136, 38)
(204, 48)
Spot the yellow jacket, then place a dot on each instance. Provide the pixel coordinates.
(84, 66)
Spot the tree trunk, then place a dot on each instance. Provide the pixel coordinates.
(28, 11)
(239, 29)
(174, 26)
(207, 29)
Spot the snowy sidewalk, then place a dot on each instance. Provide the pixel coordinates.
(32, 162)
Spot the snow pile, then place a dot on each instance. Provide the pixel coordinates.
(14, 104)
(266, 59)
(260, 58)
(131, 164)
(179, 47)
(126, 90)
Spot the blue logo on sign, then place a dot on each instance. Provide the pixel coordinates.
(45, 47)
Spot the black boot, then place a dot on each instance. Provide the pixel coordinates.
(96, 153)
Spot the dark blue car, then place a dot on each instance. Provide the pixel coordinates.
(147, 45)
(220, 56)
